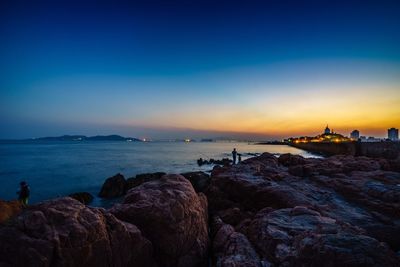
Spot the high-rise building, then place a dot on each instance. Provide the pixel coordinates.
(393, 134)
(355, 134)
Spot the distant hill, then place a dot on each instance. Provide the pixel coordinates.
(113, 137)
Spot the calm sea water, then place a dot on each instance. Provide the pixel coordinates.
(55, 169)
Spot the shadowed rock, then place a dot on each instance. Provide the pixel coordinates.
(9, 209)
(232, 248)
(200, 180)
(83, 197)
(142, 178)
(64, 232)
(292, 210)
(172, 216)
(113, 187)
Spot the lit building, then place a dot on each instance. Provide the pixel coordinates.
(393, 134)
(327, 130)
(355, 134)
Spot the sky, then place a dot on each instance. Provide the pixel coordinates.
(199, 69)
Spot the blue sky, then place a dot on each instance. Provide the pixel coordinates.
(169, 69)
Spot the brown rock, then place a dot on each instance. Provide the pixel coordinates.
(233, 248)
(113, 187)
(9, 209)
(342, 250)
(172, 216)
(64, 232)
(302, 237)
(300, 200)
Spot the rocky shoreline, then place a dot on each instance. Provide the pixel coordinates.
(265, 211)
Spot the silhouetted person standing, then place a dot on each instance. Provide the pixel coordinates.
(23, 193)
(234, 153)
(239, 157)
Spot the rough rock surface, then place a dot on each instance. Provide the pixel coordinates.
(172, 216)
(295, 211)
(9, 209)
(64, 232)
(265, 211)
(232, 248)
(113, 187)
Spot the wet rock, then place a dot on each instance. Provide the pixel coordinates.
(172, 216)
(200, 180)
(113, 187)
(142, 178)
(222, 162)
(64, 232)
(83, 197)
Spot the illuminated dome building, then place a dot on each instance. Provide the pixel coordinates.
(329, 136)
(327, 130)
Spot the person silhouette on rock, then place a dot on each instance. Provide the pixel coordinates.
(234, 153)
(23, 193)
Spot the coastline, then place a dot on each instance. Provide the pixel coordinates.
(387, 149)
(54, 169)
(350, 201)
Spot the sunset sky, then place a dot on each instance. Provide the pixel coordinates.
(175, 69)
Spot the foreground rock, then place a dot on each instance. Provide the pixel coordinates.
(162, 222)
(64, 232)
(292, 211)
(265, 211)
(9, 209)
(172, 216)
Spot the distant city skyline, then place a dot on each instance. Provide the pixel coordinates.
(255, 70)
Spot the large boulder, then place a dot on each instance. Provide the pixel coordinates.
(172, 216)
(114, 186)
(64, 232)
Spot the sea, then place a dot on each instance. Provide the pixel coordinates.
(58, 168)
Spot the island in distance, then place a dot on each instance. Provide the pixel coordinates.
(113, 137)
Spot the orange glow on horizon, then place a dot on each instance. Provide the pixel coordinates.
(367, 109)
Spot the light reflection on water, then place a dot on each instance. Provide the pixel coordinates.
(59, 168)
